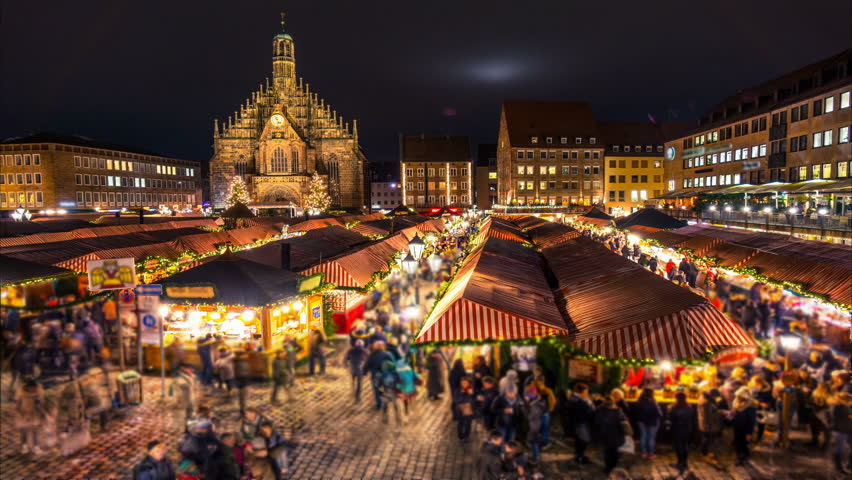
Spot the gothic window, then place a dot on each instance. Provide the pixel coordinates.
(294, 161)
(279, 161)
(287, 49)
(240, 166)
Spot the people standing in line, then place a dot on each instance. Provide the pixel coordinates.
(840, 415)
(507, 411)
(610, 429)
(535, 407)
(681, 419)
(30, 412)
(743, 417)
(356, 357)
(484, 400)
(317, 354)
(480, 371)
(374, 365)
(710, 421)
(280, 377)
(156, 465)
(464, 408)
(434, 375)
(647, 415)
(579, 407)
(511, 378)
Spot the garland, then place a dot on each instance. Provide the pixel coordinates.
(32, 281)
(88, 299)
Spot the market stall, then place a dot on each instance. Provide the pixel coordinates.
(250, 306)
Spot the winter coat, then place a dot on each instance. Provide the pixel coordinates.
(505, 412)
(511, 378)
(376, 361)
(464, 403)
(490, 462)
(681, 422)
(535, 410)
(608, 426)
(710, 417)
(225, 364)
(29, 407)
(250, 429)
(223, 465)
(580, 409)
(435, 377)
(185, 389)
(259, 468)
(647, 412)
(456, 374)
(280, 371)
(479, 373)
(484, 400)
(744, 420)
(841, 419)
(407, 378)
(150, 469)
(355, 358)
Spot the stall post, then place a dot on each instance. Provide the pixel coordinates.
(162, 359)
(120, 332)
(790, 343)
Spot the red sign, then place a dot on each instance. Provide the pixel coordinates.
(127, 296)
(734, 356)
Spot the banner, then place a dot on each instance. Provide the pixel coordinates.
(111, 274)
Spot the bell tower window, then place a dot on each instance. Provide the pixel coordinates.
(279, 161)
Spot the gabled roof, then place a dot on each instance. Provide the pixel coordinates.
(434, 149)
(527, 119)
(649, 217)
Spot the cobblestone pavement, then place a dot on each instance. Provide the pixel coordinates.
(341, 440)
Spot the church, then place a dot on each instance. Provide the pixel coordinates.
(283, 134)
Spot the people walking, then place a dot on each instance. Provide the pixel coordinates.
(293, 349)
(280, 377)
(30, 412)
(681, 417)
(389, 392)
(464, 406)
(579, 407)
(225, 364)
(204, 346)
(355, 358)
(710, 421)
(434, 375)
(609, 427)
(647, 415)
(317, 354)
(374, 365)
(484, 400)
(535, 408)
(743, 418)
(408, 381)
(841, 430)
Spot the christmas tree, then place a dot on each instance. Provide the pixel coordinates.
(237, 193)
(317, 200)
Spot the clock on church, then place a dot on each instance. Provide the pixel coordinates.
(277, 120)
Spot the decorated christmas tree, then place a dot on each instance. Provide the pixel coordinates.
(317, 200)
(238, 193)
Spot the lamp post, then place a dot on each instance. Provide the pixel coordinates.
(767, 211)
(746, 211)
(791, 217)
(790, 343)
(821, 213)
(411, 263)
(435, 264)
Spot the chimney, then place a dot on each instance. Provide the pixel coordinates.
(285, 256)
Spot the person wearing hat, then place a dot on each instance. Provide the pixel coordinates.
(743, 419)
(609, 427)
(156, 465)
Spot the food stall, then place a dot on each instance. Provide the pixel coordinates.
(247, 306)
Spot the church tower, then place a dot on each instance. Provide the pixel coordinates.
(283, 65)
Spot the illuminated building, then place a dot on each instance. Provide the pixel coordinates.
(435, 171)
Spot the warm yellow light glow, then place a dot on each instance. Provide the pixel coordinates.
(666, 365)
(276, 313)
(215, 315)
(298, 306)
(164, 310)
(285, 309)
(248, 315)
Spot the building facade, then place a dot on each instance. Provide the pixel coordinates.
(786, 131)
(485, 183)
(53, 171)
(281, 135)
(385, 195)
(436, 171)
(549, 153)
(633, 163)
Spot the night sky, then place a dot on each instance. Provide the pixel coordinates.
(156, 73)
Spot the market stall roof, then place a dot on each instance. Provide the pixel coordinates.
(550, 233)
(621, 310)
(649, 217)
(527, 221)
(91, 231)
(306, 250)
(235, 281)
(839, 186)
(15, 271)
(595, 212)
(386, 225)
(600, 222)
(494, 227)
(500, 292)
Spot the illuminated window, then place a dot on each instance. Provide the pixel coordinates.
(817, 140)
(843, 134)
(492, 175)
(829, 104)
(842, 169)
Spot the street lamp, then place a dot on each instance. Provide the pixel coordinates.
(767, 211)
(416, 246)
(789, 343)
(21, 213)
(410, 267)
(435, 263)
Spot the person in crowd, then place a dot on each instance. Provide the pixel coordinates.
(818, 421)
(817, 367)
(205, 353)
(293, 349)
(480, 371)
(647, 415)
(738, 379)
(175, 355)
(578, 407)
(258, 464)
(761, 392)
(355, 357)
(377, 335)
(491, 458)
(840, 382)
(550, 400)
(23, 362)
(276, 448)
(156, 465)
(434, 375)
(388, 382)
(743, 417)
(242, 373)
(317, 354)
(94, 340)
(455, 376)
(681, 418)
(511, 378)
(627, 252)
(250, 423)
(30, 412)
(225, 364)
(840, 414)
(617, 395)
(610, 429)
(535, 407)
(670, 266)
(374, 365)
(408, 381)
(653, 263)
(223, 463)
(281, 377)
(484, 400)
(507, 411)
(464, 406)
(185, 390)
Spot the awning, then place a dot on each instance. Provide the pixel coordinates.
(14, 271)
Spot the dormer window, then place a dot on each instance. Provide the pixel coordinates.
(592, 140)
(659, 149)
(626, 148)
(563, 140)
(615, 148)
(578, 140)
(549, 139)
(647, 148)
(638, 148)
(534, 139)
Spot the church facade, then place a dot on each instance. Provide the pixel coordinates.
(283, 134)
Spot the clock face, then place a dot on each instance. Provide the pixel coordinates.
(670, 153)
(277, 120)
